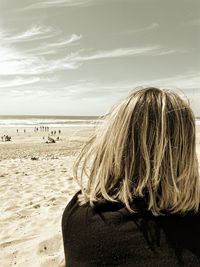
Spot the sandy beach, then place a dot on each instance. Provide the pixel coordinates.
(36, 183)
(34, 193)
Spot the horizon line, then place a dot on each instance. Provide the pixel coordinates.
(46, 115)
(36, 115)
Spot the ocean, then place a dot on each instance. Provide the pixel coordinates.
(28, 121)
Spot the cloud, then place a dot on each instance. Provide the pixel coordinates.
(150, 27)
(26, 81)
(51, 48)
(72, 39)
(35, 32)
(18, 81)
(185, 81)
(32, 61)
(14, 62)
(58, 3)
(119, 52)
(123, 52)
(24, 93)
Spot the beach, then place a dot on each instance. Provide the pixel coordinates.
(36, 184)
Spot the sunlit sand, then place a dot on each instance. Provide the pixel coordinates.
(34, 193)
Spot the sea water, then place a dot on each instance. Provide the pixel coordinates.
(26, 121)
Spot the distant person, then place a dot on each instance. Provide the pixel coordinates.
(17, 130)
(140, 203)
(7, 138)
(24, 130)
(59, 132)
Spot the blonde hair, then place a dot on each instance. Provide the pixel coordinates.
(146, 146)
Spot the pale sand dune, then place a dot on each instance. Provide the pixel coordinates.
(34, 194)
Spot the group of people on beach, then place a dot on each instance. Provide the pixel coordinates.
(46, 129)
(23, 130)
(36, 129)
(54, 132)
(5, 138)
(42, 129)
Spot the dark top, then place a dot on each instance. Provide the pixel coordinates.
(108, 235)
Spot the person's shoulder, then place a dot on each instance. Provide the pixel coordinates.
(73, 200)
(189, 221)
(71, 205)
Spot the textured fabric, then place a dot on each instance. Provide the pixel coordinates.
(108, 235)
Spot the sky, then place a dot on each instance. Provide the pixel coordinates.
(79, 57)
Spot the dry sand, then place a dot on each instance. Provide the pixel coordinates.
(34, 194)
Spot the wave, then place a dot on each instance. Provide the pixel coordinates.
(27, 121)
(52, 121)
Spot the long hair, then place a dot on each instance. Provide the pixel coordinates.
(146, 147)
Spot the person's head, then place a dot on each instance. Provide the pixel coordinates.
(146, 146)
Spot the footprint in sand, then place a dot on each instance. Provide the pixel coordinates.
(50, 246)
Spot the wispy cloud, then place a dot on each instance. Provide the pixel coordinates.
(32, 61)
(119, 52)
(123, 52)
(18, 81)
(54, 47)
(30, 64)
(72, 39)
(35, 32)
(90, 89)
(22, 82)
(14, 62)
(187, 81)
(150, 27)
(58, 3)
